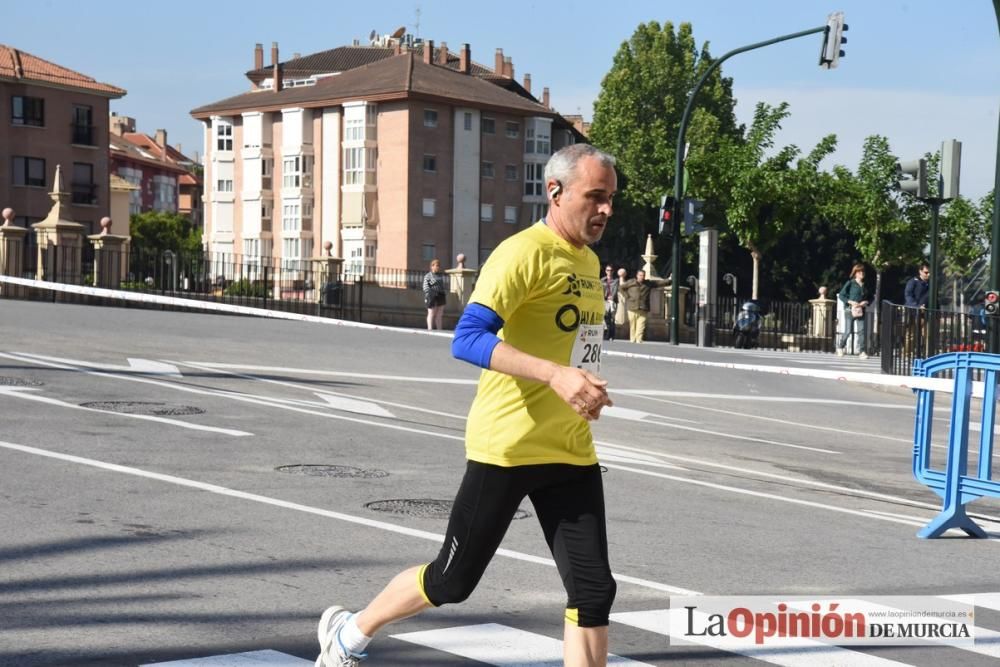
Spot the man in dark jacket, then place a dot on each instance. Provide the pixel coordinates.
(637, 293)
(610, 285)
(917, 288)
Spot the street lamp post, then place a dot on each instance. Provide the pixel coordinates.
(828, 58)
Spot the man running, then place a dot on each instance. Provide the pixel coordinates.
(535, 324)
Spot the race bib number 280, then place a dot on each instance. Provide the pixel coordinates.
(587, 348)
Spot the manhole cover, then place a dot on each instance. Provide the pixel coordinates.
(7, 381)
(424, 508)
(144, 408)
(332, 471)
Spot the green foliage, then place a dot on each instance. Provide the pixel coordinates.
(244, 287)
(636, 118)
(156, 231)
(965, 236)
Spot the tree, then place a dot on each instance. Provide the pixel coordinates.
(156, 231)
(637, 116)
(890, 229)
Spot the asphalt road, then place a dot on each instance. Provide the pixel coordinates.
(216, 493)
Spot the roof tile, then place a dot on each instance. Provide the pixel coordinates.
(21, 65)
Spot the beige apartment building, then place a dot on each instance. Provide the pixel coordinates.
(53, 116)
(396, 153)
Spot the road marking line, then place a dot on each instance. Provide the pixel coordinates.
(21, 392)
(755, 398)
(500, 645)
(354, 405)
(266, 658)
(795, 652)
(313, 371)
(985, 600)
(340, 516)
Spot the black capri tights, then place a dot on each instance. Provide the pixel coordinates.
(569, 501)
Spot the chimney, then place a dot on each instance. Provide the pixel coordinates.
(527, 82)
(121, 124)
(258, 56)
(498, 62)
(397, 48)
(508, 67)
(428, 51)
(276, 69)
(464, 58)
(161, 139)
(442, 58)
(545, 97)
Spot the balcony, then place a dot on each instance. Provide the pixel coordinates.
(83, 135)
(84, 193)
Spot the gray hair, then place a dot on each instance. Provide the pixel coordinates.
(562, 165)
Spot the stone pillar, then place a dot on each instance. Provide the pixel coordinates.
(60, 241)
(11, 250)
(649, 258)
(326, 275)
(462, 281)
(110, 256)
(824, 315)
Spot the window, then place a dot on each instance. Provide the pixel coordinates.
(536, 142)
(468, 120)
(164, 193)
(430, 163)
(371, 114)
(359, 166)
(429, 207)
(539, 211)
(486, 170)
(489, 126)
(486, 212)
(27, 111)
(513, 129)
(82, 187)
(354, 129)
(223, 136)
(428, 252)
(83, 125)
(133, 176)
(266, 169)
(291, 172)
(291, 221)
(29, 171)
(224, 185)
(430, 118)
(533, 179)
(510, 215)
(265, 209)
(510, 172)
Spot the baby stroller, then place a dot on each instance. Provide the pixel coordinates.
(747, 326)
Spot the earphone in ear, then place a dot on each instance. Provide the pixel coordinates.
(556, 190)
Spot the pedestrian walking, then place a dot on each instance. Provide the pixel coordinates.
(534, 324)
(610, 284)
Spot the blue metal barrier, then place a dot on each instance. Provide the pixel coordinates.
(955, 485)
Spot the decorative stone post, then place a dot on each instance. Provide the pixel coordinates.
(110, 256)
(326, 273)
(649, 257)
(60, 241)
(11, 250)
(462, 281)
(823, 315)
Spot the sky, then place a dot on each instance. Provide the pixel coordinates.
(916, 71)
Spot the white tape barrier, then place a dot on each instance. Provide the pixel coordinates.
(901, 381)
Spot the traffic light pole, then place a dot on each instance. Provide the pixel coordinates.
(675, 291)
(932, 297)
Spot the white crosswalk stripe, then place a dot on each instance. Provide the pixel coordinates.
(504, 646)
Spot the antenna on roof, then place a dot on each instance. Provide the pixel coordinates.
(416, 26)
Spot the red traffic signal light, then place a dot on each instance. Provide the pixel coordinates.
(992, 303)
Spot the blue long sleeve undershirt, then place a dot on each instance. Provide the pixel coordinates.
(476, 335)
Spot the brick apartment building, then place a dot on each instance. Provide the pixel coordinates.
(166, 179)
(395, 152)
(53, 116)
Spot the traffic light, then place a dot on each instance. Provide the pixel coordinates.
(833, 39)
(912, 176)
(666, 213)
(991, 303)
(693, 215)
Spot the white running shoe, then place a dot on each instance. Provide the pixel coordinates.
(332, 652)
(840, 351)
(863, 355)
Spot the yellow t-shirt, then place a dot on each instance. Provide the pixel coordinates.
(549, 295)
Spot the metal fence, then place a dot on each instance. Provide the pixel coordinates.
(785, 325)
(910, 333)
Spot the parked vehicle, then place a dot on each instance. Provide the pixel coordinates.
(747, 326)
